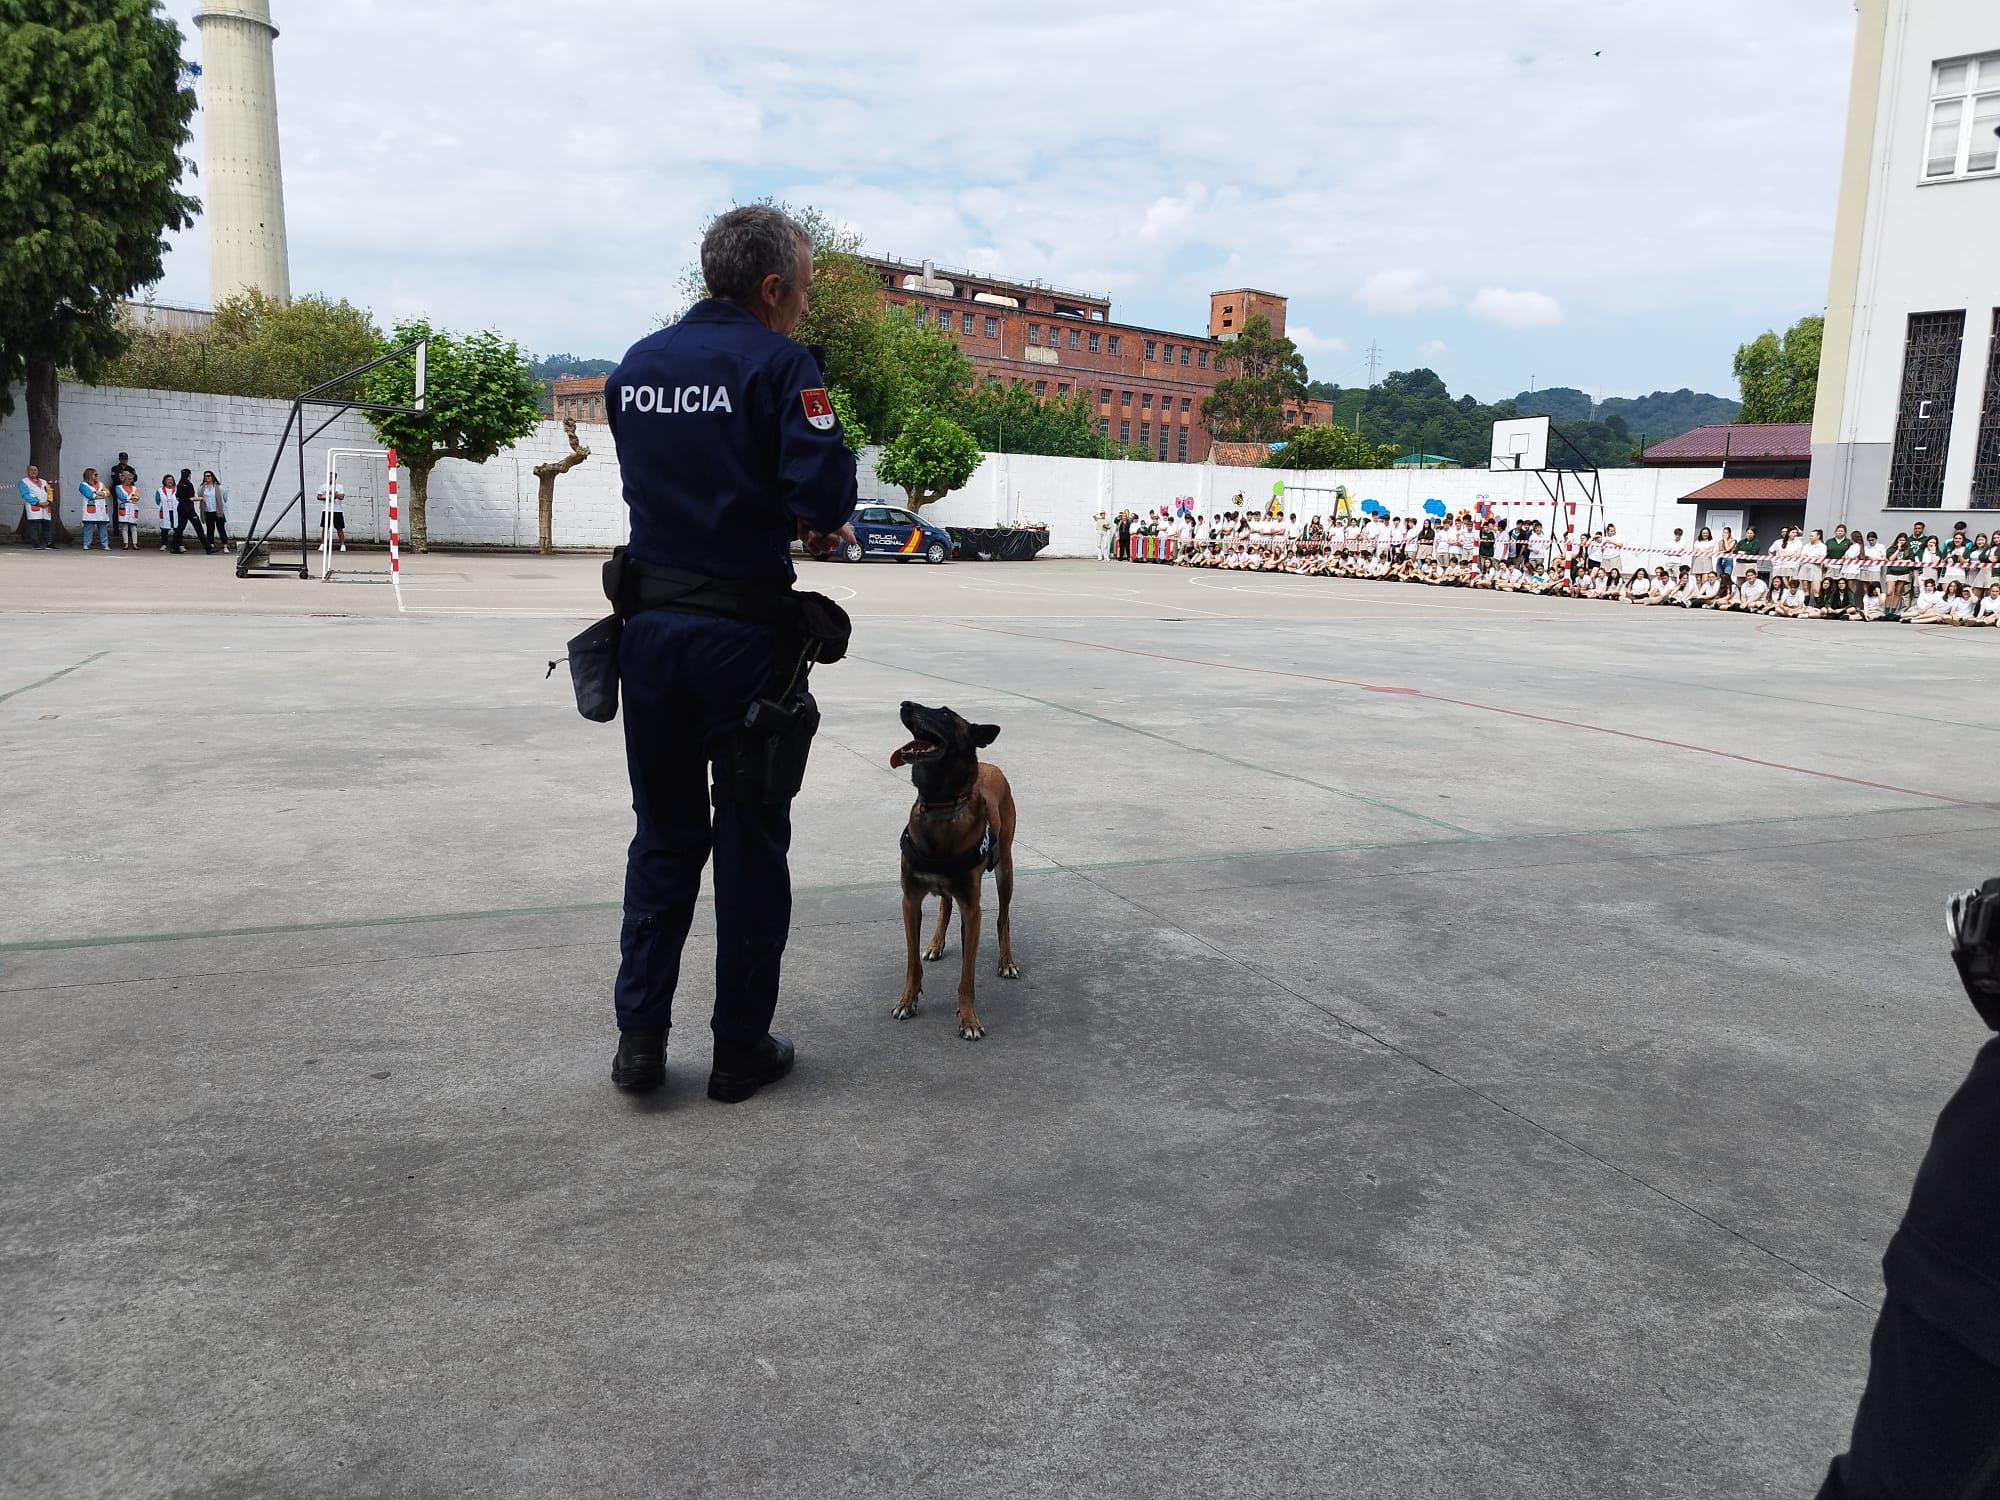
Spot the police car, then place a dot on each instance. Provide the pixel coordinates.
(886, 531)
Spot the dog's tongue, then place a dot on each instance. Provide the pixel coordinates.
(908, 753)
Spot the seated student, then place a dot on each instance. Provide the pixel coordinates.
(1593, 585)
(1930, 601)
(1662, 591)
(1684, 588)
(1869, 605)
(1639, 587)
(1989, 608)
(1963, 609)
(1707, 590)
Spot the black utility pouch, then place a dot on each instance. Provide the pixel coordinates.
(823, 624)
(764, 762)
(593, 669)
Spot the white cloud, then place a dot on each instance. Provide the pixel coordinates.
(1405, 290)
(1431, 348)
(520, 187)
(1515, 309)
(1311, 342)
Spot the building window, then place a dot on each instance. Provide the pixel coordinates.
(1034, 333)
(1986, 462)
(1167, 353)
(1111, 343)
(1184, 353)
(1104, 428)
(1201, 358)
(993, 328)
(1093, 343)
(1104, 394)
(1124, 434)
(1145, 435)
(1041, 387)
(1146, 401)
(1923, 423)
(1187, 404)
(1965, 113)
(1074, 334)
(1163, 442)
(1062, 388)
(1125, 398)
(1180, 446)
(966, 326)
(1151, 346)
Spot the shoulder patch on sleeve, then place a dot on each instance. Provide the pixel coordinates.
(819, 410)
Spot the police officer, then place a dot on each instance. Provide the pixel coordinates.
(729, 449)
(1928, 1427)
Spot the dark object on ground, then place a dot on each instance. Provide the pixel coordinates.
(641, 1063)
(999, 543)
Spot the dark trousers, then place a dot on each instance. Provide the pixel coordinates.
(687, 681)
(38, 534)
(184, 517)
(1928, 1427)
(218, 527)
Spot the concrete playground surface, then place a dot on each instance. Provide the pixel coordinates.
(1468, 1045)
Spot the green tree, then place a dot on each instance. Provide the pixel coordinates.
(929, 458)
(480, 395)
(257, 346)
(1008, 417)
(1265, 374)
(93, 115)
(1333, 447)
(1779, 375)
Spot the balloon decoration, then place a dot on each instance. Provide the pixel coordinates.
(1434, 507)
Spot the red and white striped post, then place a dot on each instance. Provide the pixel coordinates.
(395, 555)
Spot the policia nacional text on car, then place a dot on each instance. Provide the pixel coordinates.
(729, 450)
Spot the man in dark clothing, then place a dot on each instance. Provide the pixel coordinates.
(729, 449)
(1928, 1427)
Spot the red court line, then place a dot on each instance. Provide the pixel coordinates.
(1495, 708)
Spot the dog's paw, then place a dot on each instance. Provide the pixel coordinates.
(970, 1031)
(1009, 969)
(932, 955)
(904, 1010)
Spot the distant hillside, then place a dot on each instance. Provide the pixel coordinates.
(1663, 414)
(552, 367)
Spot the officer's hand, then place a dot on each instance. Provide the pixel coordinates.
(821, 544)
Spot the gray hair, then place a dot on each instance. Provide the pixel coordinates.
(745, 245)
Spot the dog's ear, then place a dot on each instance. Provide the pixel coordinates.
(982, 735)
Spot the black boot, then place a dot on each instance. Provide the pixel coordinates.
(641, 1063)
(739, 1075)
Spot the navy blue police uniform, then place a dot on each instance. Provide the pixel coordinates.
(726, 441)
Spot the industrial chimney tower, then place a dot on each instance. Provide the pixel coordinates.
(243, 187)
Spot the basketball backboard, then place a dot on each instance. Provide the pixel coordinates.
(1520, 443)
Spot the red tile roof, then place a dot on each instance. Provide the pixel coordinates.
(1738, 441)
(1749, 489)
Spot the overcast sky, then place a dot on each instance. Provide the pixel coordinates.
(1609, 194)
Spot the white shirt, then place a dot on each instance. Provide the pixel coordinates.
(1960, 608)
(1641, 586)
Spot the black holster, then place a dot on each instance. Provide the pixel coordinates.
(764, 761)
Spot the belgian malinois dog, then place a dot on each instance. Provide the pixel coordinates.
(961, 827)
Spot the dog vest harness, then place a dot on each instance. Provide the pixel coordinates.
(985, 854)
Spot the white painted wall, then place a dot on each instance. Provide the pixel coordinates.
(493, 504)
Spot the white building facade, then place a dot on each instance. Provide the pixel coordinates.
(1906, 425)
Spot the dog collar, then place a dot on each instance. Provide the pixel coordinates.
(951, 809)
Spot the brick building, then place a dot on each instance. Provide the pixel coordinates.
(1147, 383)
(579, 396)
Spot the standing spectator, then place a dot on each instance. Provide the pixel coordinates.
(1614, 551)
(125, 496)
(1748, 551)
(94, 502)
(184, 513)
(1725, 553)
(1812, 562)
(1704, 553)
(35, 506)
(1123, 548)
(122, 472)
(164, 505)
(215, 508)
(1899, 566)
(1101, 521)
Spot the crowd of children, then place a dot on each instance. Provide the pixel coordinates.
(1918, 578)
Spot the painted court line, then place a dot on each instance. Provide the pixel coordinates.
(1496, 708)
(44, 682)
